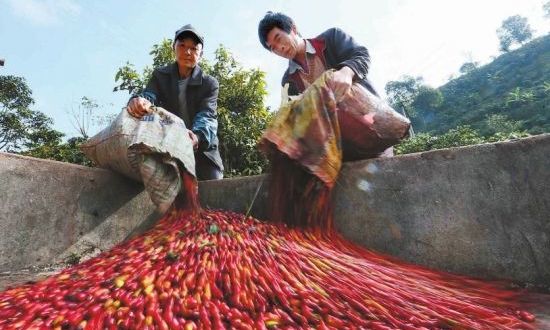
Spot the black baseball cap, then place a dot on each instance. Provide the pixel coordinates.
(189, 29)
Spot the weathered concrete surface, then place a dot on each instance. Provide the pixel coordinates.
(13, 279)
(52, 211)
(481, 210)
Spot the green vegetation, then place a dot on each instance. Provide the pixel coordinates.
(63, 152)
(20, 127)
(506, 99)
(516, 85)
(456, 137)
(514, 29)
(242, 114)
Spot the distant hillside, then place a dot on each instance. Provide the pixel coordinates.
(516, 84)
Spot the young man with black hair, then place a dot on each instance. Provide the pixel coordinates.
(309, 58)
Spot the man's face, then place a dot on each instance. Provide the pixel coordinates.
(282, 43)
(188, 52)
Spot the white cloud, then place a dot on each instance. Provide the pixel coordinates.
(44, 12)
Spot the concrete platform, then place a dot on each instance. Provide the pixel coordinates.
(482, 210)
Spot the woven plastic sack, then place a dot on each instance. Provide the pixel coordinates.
(368, 125)
(152, 150)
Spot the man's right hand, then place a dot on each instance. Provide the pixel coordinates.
(194, 139)
(342, 81)
(138, 107)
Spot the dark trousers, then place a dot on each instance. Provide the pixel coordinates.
(206, 169)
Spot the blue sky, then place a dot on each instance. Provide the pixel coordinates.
(67, 49)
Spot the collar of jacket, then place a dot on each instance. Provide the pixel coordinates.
(320, 46)
(293, 66)
(172, 70)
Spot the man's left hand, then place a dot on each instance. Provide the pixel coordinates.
(341, 81)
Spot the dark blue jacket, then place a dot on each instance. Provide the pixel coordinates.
(336, 49)
(202, 101)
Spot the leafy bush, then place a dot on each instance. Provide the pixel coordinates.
(456, 137)
(63, 152)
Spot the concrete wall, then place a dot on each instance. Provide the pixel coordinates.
(51, 211)
(482, 210)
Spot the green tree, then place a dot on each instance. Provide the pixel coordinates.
(514, 29)
(29, 132)
(132, 81)
(401, 93)
(518, 96)
(63, 152)
(427, 99)
(499, 123)
(462, 136)
(420, 142)
(425, 106)
(514, 96)
(456, 137)
(242, 114)
(20, 127)
(468, 67)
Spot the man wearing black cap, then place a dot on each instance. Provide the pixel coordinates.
(183, 89)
